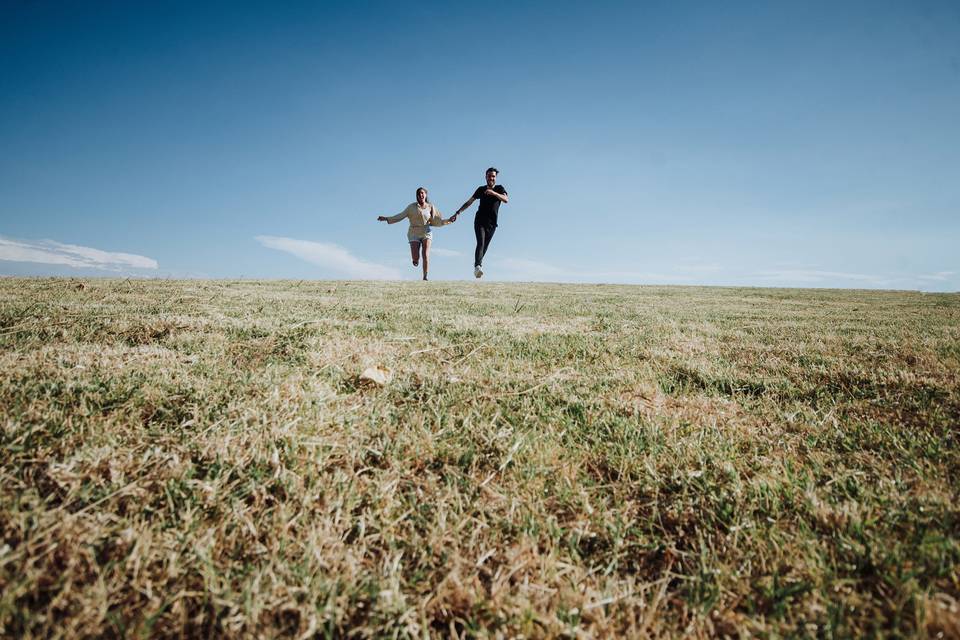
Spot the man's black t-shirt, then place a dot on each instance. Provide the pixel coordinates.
(489, 206)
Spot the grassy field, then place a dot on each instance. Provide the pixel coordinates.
(196, 458)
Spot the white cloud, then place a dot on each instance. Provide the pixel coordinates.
(814, 275)
(71, 255)
(819, 277)
(330, 256)
(532, 270)
(444, 252)
(641, 277)
(940, 276)
(699, 267)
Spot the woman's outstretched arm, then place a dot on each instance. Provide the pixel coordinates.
(397, 218)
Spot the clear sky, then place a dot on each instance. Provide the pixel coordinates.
(763, 143)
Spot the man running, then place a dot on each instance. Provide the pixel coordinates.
(485, 223)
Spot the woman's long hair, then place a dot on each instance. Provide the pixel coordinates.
(426, 194)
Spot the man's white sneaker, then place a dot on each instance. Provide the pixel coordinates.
(477, 272)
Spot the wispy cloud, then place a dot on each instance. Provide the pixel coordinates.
(693, 272)
(535, 271)
(71, 255)
(819, 277)
(699, 268)
(815, 275)
(939, 276)
(330, 256)
(445, 252)
(532, 269)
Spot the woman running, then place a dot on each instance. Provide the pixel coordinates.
(422, 215)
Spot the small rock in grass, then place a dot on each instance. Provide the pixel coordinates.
(375, 375)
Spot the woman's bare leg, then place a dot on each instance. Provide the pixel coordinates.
(425, 243)
(415, 252)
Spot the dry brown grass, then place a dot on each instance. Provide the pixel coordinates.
(205, 458)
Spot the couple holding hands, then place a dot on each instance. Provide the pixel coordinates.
(423, 215)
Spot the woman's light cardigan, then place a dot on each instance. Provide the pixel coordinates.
(420, 221)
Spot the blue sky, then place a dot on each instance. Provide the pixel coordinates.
(742, 143)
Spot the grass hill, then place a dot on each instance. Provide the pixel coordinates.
(409, 459)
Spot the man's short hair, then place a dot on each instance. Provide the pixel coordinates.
(494, 169)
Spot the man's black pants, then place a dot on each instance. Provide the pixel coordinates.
(484, 234)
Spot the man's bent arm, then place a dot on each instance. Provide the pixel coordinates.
(502, 197)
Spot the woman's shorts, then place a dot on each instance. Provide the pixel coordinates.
(413, 236)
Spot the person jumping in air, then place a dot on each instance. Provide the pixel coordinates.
(422, 215)
(485, 222)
